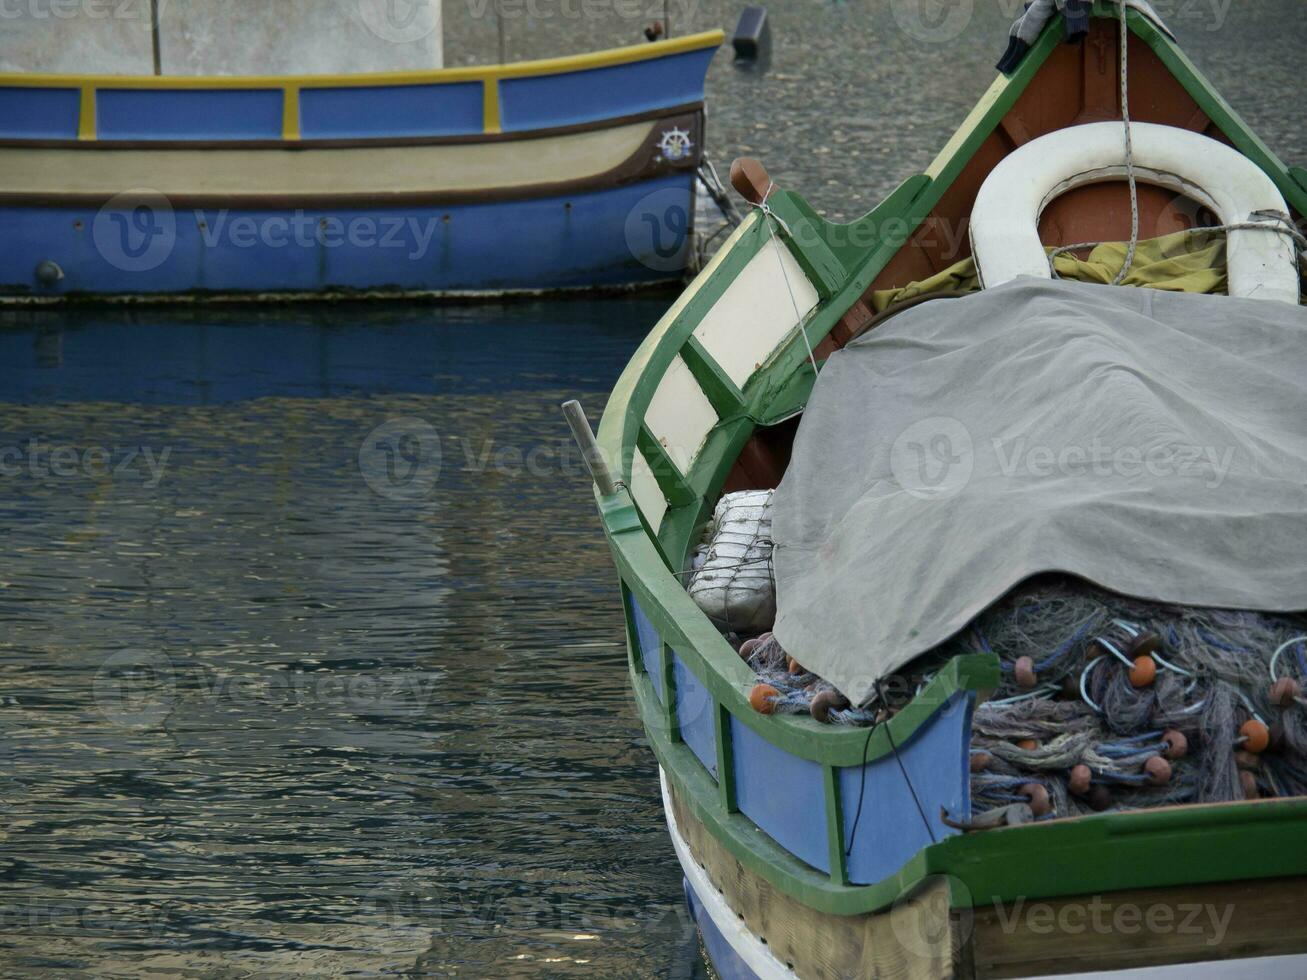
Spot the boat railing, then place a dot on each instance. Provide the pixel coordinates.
(447, 102)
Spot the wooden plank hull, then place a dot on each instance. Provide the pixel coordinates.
(805, 835)
(566, 174)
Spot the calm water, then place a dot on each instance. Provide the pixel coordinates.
(311, 660)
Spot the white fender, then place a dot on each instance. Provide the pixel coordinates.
(1005, 219)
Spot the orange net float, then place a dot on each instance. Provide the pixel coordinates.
(794, 667)
(979, 761)
(1158, 771)
(748, 646)
(1248, 783)
(1037, 794)
(1024, 672)
(1100, 798)
(1284, 692)
(1080, 780)
(1177, 746)
(1029, 744)
(1255, 736)
(1144, 671)
(826, 702)
(763, 698)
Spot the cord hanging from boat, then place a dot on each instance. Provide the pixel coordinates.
(1273, 222)
(768, 213)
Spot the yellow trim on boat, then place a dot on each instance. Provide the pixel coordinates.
(963, 132)
(290, 113)
(86, 113)
(490, 106)
(438, 76)
(290, 85)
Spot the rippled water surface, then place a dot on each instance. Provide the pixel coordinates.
(284, 690)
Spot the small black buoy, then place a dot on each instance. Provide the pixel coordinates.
(752, 38)
(48, 273)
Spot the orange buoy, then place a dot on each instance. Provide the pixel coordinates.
(1144, 672)
(763, 698)
(1038, 797)
(980, 761)
(747, 647)
(1256, 736)
(1246, 760)
(825, 702)
(1029, 744)
(1100, 798)
(1177, 746)
(1079, 783)
(1158, 770)
(1024, 672)
(1284, 691)
(1248, 783)
(793, 666)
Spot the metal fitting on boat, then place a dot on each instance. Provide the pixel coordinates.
(48, 272)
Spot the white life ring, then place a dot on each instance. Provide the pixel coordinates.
(1005, 219)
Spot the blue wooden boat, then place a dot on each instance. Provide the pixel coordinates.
(815, 850)
(569, 173)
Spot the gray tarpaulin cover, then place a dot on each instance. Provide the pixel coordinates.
(1152, 442)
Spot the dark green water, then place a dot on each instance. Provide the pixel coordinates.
(287, 692)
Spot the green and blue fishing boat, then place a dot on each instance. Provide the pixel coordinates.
(894, 808)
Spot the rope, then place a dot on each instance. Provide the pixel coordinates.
(767, 212)
(1279, 223)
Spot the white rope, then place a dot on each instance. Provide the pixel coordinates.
(1129, 149)
(1278, 223)
(767, 212)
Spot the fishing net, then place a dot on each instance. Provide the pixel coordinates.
(1105, 702)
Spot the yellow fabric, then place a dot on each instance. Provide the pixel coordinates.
(1181, 262)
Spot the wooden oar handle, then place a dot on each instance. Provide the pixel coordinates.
(749, 178)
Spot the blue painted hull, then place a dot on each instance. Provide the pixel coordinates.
(587, 239)
(726, 963)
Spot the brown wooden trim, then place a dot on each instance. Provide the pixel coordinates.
(641, 165)
(611, 122)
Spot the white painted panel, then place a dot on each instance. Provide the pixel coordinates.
(756, 312)
(644, 488)
(680, 415)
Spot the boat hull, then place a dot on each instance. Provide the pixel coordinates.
(568, 241)
(557, 175)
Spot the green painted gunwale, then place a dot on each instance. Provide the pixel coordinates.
(1104, 852)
